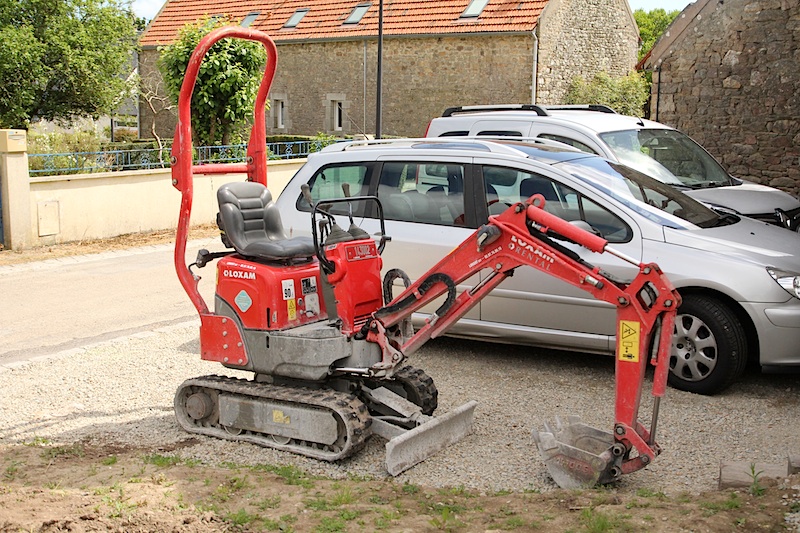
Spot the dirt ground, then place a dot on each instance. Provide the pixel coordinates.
(85, 487)
(88, 487)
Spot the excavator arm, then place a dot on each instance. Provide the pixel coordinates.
(526, 235)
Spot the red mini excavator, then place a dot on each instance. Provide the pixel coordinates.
(328, 346)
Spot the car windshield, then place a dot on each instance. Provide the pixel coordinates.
(646, 196)
(667, 155)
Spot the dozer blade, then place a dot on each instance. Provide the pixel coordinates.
(416, 445)
(577, 455)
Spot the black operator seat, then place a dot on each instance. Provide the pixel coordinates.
(252, 223)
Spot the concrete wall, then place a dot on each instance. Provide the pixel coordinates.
(55, 209)
(731, 81)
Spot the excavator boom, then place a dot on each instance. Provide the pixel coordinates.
(526, 235)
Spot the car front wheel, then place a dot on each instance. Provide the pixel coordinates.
(709, 348)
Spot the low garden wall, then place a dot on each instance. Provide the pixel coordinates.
(55, 209)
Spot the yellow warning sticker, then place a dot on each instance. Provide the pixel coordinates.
(628, 341)
(279, 418)
(291, 309)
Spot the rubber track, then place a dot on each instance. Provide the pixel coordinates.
(350, 412)
(423, 384)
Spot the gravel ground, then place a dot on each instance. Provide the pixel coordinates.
(122, 391)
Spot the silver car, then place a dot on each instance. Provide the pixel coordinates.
(739, 278)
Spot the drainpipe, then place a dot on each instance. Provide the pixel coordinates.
(535, 66)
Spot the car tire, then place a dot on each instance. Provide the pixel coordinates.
(709, 347)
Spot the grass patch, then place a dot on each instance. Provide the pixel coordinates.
(73, 450)
(161, 461)
(598, 522)
(241, 518)
(290, 474)
(733, 502)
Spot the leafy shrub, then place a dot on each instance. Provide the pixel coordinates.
(625, 94)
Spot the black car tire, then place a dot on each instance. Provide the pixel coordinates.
(709, 348)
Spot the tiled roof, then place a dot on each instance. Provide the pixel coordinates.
(325, 18)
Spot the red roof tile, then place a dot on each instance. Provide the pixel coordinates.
(325, 18)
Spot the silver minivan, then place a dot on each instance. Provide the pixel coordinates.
(650, 147)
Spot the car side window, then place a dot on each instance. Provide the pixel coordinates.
(431, 193)
(501, 185)
(566, 140)
(508, 186)
(500, 133)
(339, 181)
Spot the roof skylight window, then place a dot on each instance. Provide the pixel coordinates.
(295, 19)
(249, 19)
(358, 13)
(474, 9)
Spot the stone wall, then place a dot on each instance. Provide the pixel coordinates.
(732, 83)
(582, 38)
(421, 76)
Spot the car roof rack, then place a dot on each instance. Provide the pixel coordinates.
(600, 108)
(540, 110)
(444, 142)
(450, 111)
(526, 140)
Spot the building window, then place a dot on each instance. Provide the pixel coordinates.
(249, 19)
(295, 19)
(474, 9)
(337, 115)
(358, 13)
(279, 113)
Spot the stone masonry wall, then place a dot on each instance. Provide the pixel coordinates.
(421, 76)
(732, 83)
(582, 38)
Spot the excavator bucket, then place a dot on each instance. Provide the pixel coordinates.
(437, 433)
(577, 455)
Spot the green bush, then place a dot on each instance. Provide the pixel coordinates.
(61, 143)
(625, 94)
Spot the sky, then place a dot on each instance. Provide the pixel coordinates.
(149, 8)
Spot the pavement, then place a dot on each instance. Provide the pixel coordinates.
(62, 304)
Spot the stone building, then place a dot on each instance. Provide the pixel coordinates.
(725, 72)
(436, 54)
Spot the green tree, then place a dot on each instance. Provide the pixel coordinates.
(652, 25)
(227, 82)
(625, 94)
(63, 59)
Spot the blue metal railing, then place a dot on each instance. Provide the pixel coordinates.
(149, 158)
